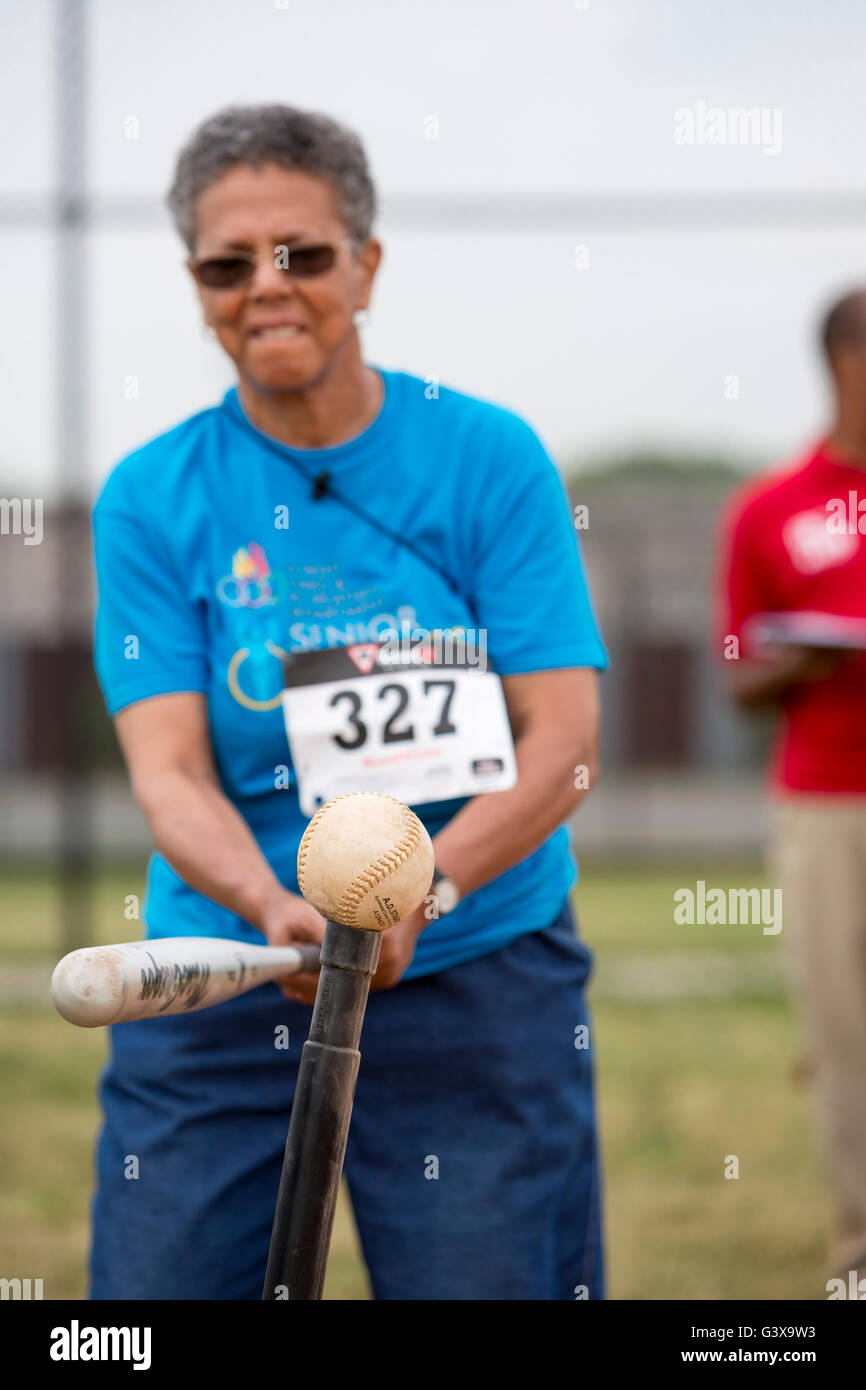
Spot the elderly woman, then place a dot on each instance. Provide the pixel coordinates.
(323, 507)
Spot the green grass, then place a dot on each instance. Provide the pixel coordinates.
(30, 904)
(684, 1082)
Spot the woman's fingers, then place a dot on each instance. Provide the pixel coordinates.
(300, 988)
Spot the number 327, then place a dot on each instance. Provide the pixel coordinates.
(390, 732)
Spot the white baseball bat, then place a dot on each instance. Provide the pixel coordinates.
(171, 975)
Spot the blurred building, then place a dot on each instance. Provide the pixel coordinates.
(649, 540)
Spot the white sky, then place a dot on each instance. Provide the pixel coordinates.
(532, 96)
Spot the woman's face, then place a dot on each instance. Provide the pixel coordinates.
(282, 333)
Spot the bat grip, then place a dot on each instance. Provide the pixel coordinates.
(310, 956)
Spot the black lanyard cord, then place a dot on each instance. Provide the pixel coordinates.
(322, 487)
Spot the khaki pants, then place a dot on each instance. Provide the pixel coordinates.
(819, 861)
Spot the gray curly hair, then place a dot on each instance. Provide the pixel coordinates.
(276, 134)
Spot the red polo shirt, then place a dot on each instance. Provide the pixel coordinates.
(784, 551)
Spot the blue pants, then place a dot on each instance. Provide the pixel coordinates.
(472, 1158)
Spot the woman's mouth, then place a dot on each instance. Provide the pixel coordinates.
(281, 330)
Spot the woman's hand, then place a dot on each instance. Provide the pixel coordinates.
(289, 919)
(286, 920)
(397, 950)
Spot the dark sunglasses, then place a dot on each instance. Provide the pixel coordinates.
(301, 262)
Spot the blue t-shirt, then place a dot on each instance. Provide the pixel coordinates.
(182, 529)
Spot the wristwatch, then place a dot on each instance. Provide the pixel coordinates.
(446, 892)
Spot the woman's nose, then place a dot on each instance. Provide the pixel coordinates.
(268, 278)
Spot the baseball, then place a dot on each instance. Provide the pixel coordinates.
(365, 860)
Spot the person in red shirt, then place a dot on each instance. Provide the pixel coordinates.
(793, 634)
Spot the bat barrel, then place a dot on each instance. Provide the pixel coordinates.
(321, 1111)
(169, 975)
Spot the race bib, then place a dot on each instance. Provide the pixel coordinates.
(369, 718)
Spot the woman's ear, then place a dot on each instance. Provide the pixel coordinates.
(369, 259)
